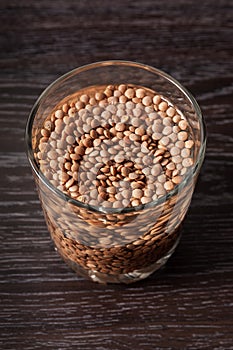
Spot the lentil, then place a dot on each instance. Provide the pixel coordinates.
(115, 147)
(129, 93)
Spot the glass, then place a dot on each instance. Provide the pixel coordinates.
(123, 244)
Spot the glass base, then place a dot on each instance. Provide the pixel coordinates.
(131, 277)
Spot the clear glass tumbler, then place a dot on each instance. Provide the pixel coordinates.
(120, 244)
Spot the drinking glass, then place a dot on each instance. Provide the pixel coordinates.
(126, 244)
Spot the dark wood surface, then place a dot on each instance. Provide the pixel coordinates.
(187, 305)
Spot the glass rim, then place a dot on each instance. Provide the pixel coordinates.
(100, 209)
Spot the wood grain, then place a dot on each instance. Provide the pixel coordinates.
(187, 305)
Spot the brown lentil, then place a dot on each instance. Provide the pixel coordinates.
(117, 146)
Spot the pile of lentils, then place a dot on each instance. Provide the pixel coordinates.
(115, 146)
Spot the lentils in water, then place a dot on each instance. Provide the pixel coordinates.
(115, 146)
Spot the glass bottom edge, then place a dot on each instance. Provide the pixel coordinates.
(127, 278)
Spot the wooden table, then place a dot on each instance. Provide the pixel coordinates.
(187, 305)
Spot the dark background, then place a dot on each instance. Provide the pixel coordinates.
(189, 304)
